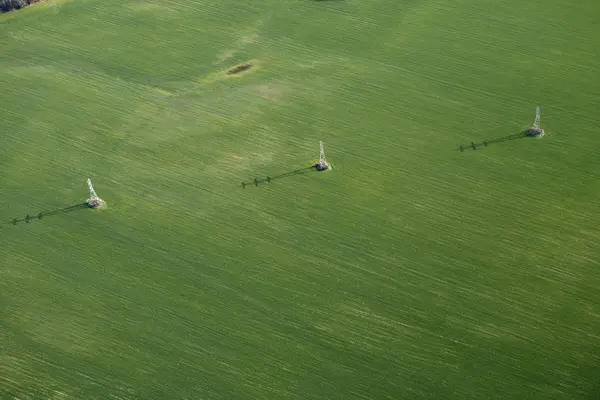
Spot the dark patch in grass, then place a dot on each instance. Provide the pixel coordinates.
(239, 68)
(13, 5)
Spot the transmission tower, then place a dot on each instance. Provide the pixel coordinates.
(535, 130)
(322, 165)
(536, 123)
(94, 201)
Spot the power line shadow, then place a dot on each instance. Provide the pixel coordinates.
(269, 179)
(485, 143)
(28, 218)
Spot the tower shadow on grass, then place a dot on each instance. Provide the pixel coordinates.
(485, 143)
(28, 218)
(269, 179)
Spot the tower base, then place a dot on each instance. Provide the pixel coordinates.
(94, 203)
(321, 166)
(535, 132)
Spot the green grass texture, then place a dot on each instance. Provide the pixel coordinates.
(411, 270)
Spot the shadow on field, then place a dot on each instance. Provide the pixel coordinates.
(485, 143)
(269, 179)
(28, 218)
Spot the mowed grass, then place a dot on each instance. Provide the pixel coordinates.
(409, 271)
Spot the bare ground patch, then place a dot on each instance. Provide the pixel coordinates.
(250, 37)
(271, 91)
(224, 56)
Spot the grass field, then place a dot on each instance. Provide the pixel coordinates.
(410, 271)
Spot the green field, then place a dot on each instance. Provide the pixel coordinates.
(411, 270)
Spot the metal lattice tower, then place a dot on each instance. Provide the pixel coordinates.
(536, 123)
(94, 201)
(93, 195)
(322, 165)
(322, 160)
